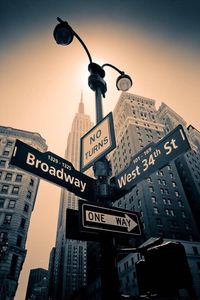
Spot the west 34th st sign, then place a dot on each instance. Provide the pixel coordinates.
(53, 168)
(152, 158)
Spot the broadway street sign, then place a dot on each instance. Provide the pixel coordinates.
(97, 142)
(53, 168)
(98, 219)
(152, 158)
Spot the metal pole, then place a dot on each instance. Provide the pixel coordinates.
(109, 273)
(99, 110)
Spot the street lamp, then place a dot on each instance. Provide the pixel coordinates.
(64, 34)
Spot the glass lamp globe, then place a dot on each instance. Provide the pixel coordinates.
(124, 82)
(63, 34)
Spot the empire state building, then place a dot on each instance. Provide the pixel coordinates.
(70, 255)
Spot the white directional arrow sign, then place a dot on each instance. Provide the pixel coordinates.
(114, 220)
(108, 219)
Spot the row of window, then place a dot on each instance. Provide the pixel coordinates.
(14, 190)
(164, 191)
(9, 176)
(168, 212)
(15, 177)
(5, 189)
(6, 153)
(11, 204)
(8, 218)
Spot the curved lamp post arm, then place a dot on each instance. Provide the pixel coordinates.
(115, 68)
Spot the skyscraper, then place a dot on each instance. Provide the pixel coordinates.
(70, 255)
(168, 200)
(160, 199)
(188, 165)
(18, 192)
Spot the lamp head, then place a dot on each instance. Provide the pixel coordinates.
(124, 82)
(63, 33)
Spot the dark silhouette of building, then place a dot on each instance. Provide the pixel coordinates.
(37, 284)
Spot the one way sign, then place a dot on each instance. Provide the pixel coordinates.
(104, 219)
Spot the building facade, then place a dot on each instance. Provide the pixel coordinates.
(18, 192)
(37, 284)
(160, 199)
(70, 255)
(166, 206)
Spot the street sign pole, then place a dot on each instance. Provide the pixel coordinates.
(102, 171)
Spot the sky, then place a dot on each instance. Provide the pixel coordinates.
(157, 42)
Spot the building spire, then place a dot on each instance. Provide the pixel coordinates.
(81, 105)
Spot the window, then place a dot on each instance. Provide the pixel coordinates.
(173, 183)
(167, 211)
(126, 265)
(153, 199)
(6, 153)
(151, 189)
(171, 212)
(13, 265)
(167, 191)
(8, 176)
(4, 188)
(7, 219)
(156, 210)
(11, 204)
(2, 163)
(2, 200)
(31, 182)
(23, 222)
(0, 174)
(180, 203)
(26, 207)
(3, 236)
(15, 190)
(164, 201)
(19, 241)
(195, 250)
(9, 143)
(149, 180)
(139, 202)
(177, 194)
(169, 201)
(183, 214)
(18, 178)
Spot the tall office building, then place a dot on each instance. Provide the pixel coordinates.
(188, 165)
(168, 200)
(18, 192)
(160, 199)
(70, 255)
